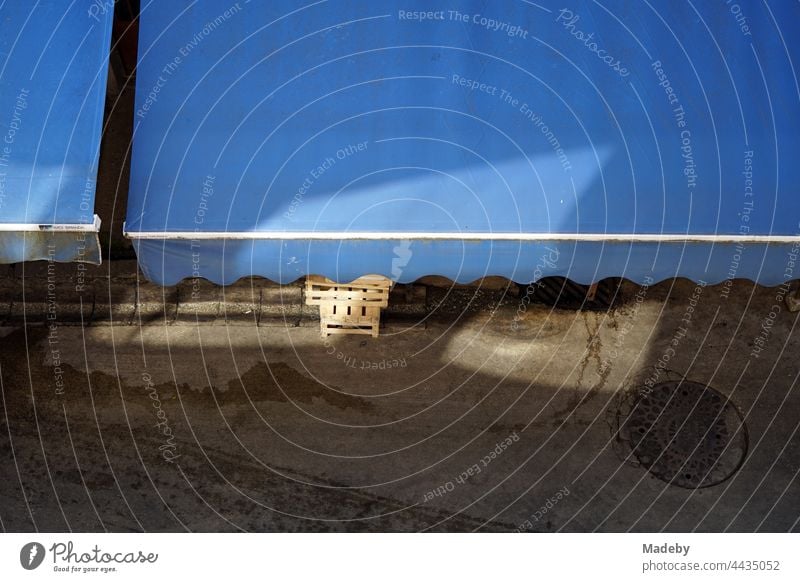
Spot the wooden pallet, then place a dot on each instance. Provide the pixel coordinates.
(349, 308)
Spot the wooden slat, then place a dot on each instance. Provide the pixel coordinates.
(362, 298)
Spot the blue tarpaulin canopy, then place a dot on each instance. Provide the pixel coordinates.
(53, 69)
(466, 139)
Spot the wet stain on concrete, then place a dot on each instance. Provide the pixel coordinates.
(279, 382)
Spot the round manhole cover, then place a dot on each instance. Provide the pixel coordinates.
(687, 434)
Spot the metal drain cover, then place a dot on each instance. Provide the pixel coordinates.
(687, 434)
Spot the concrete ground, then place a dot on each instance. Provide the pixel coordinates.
(466, 421)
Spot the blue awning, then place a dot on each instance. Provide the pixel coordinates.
(467, 139)
(53, 71)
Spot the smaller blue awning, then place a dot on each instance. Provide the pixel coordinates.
(53, 71)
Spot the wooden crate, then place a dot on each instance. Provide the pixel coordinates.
(349, 308)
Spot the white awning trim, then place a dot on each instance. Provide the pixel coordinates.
(465, 236)
(93, 226)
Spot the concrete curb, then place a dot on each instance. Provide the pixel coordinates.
(116, 293)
